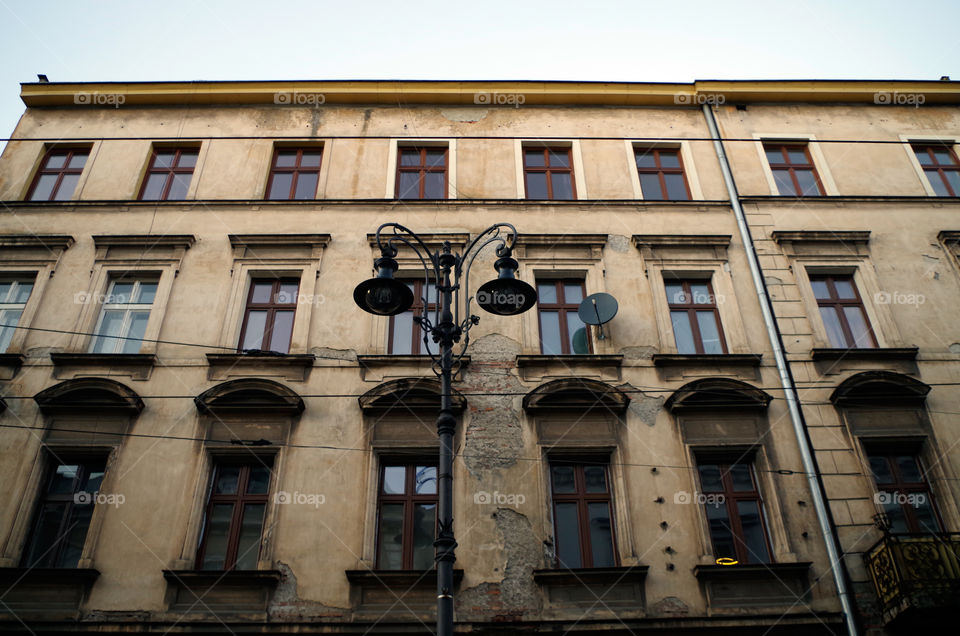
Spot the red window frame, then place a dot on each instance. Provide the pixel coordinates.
(838, 304)
(239, 500)
(583, 499)
(692, 307)
(422, 169)
(170, 172)
(660, 170)
(295, 170)
(730, 498)
(61, 172)
(789, 167)
(409, 499)
(935, 167)
(563, 309)
(549, 170)
(271, 308)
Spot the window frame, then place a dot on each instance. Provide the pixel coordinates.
(836, 302)
(296, 170)
(899, 485)
(790, 167)
(128, 309)
(731, 497)
(409, 499)
(422, 169)
(239, 501)
(548, 170)
(271, 308)
(583, 499)
(15, 281)
(417, 309)
(691, 309)
(61, 172)
(170, 172)
(660, 171)
(929, 146)
(562, 309)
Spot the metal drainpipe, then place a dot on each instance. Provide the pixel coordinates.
(786, 381)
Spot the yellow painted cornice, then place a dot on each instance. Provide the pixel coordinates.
(473, 93)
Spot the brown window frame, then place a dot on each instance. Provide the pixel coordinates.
(660, 171)
(296, 170)
(422, 169)
(791, 168)
(730, 499)
(417, 308)
(409, 499)
(239, 502)
(271, 308)
(60, 172)
(838, 303)
(937, 167)
(583, 498)
(547, 169)
(692, 308)
(901, 486)
(170, 172)
(562, 308)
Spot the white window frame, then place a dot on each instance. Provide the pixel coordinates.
(11, 306)
(128, 308)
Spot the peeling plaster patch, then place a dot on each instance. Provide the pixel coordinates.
(643, 406)
(618, 243)
(334, 354)
(467, 115)
(955, 347)
(638, 353)
(286, 605)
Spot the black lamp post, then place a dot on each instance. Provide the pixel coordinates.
(386, 296)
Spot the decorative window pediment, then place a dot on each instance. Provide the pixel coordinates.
(823, 242)
(717, 394)
(89, 395)
(406, 395)
(247, 396)
(576, 394)
(682, 247)
(880, 388)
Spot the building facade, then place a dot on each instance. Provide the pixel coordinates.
(201, 432)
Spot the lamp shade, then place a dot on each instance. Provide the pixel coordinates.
(506, 295)
(383, 295)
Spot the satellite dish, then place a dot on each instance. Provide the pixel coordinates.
(598, 309)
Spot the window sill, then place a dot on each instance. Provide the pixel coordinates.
(378, 367)
(374, 593)
(10, 364)
(293, 367)
(137, 366)
(754, 585)
(45, 593)
(875, 354)
(587, 365)
(707, 359)
(620, 587)
(232, 591)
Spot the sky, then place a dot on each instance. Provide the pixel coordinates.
(599, 40)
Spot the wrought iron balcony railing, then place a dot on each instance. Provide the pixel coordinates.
(915, 574)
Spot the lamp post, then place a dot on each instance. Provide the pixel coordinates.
(386, 296)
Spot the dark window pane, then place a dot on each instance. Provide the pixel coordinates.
(559, 159)
(64, 479)
(310, 159)
(675, 293)
(45, 534)
(701, 294)
(282, 330)
(710, 480)
(253, 336)
(248, 547)
(550, 339)
(820, 289)
(709, 332)
(227, 479)
(259, 481)
(923, 156)
(306, 186)
(720, 532)
(394, 480)
(280, 186)
(844, 288)
(286, 158)
(858, 327)
(434, 185)
(67, 186)
(94, 478)
(650, 186)
(669, 159)
(390, 554)
(880, 468)
(563, 479)
(44, 187)
(953, 176)
(218, 534)
(572, 293)
(261, 292)
(579, 341)
(683, 332)
(568, 535)
(409, 185)
(784, 183)
(424, 530)
(753, 535)
(188, 159)
(178, 188)
(121, 292)
(536, 185)
(56, 160)
(75, 535)
(287, 294)
(426, 480)
(645, 159)
(533, 158)
(154, 188)
(547, 293)
(774, 155)
(138, 328)
(834, 331)
(436, 158)
(601, 535)
(942, 156)
(676, 188)
(402, 333)
(923, 511)
(741, 477)
(908, 468)
(797, 155)
(808, 183)
(148, 291)
(595, 478)
(410, 157)
(562, 186)
(939, 187)
(164, 159)
(895, 513)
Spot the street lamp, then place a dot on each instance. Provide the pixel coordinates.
(386, 296)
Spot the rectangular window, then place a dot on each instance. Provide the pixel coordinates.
(734, 510)
(14, 294)
(582, 515)
(123, 319)
(234, 517)
(294, 174)
(694, 316)
(661, 174)
(168, 177)
(58, 175)
(842, 312)
(407, 516)
(793, 170)
(561, 330)
(63, 514)
(268, 318)
(548, 173)
(942, 168)
(421, 172)
(904, 492)
(405, 336)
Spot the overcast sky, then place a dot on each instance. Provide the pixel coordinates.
(672, 41)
